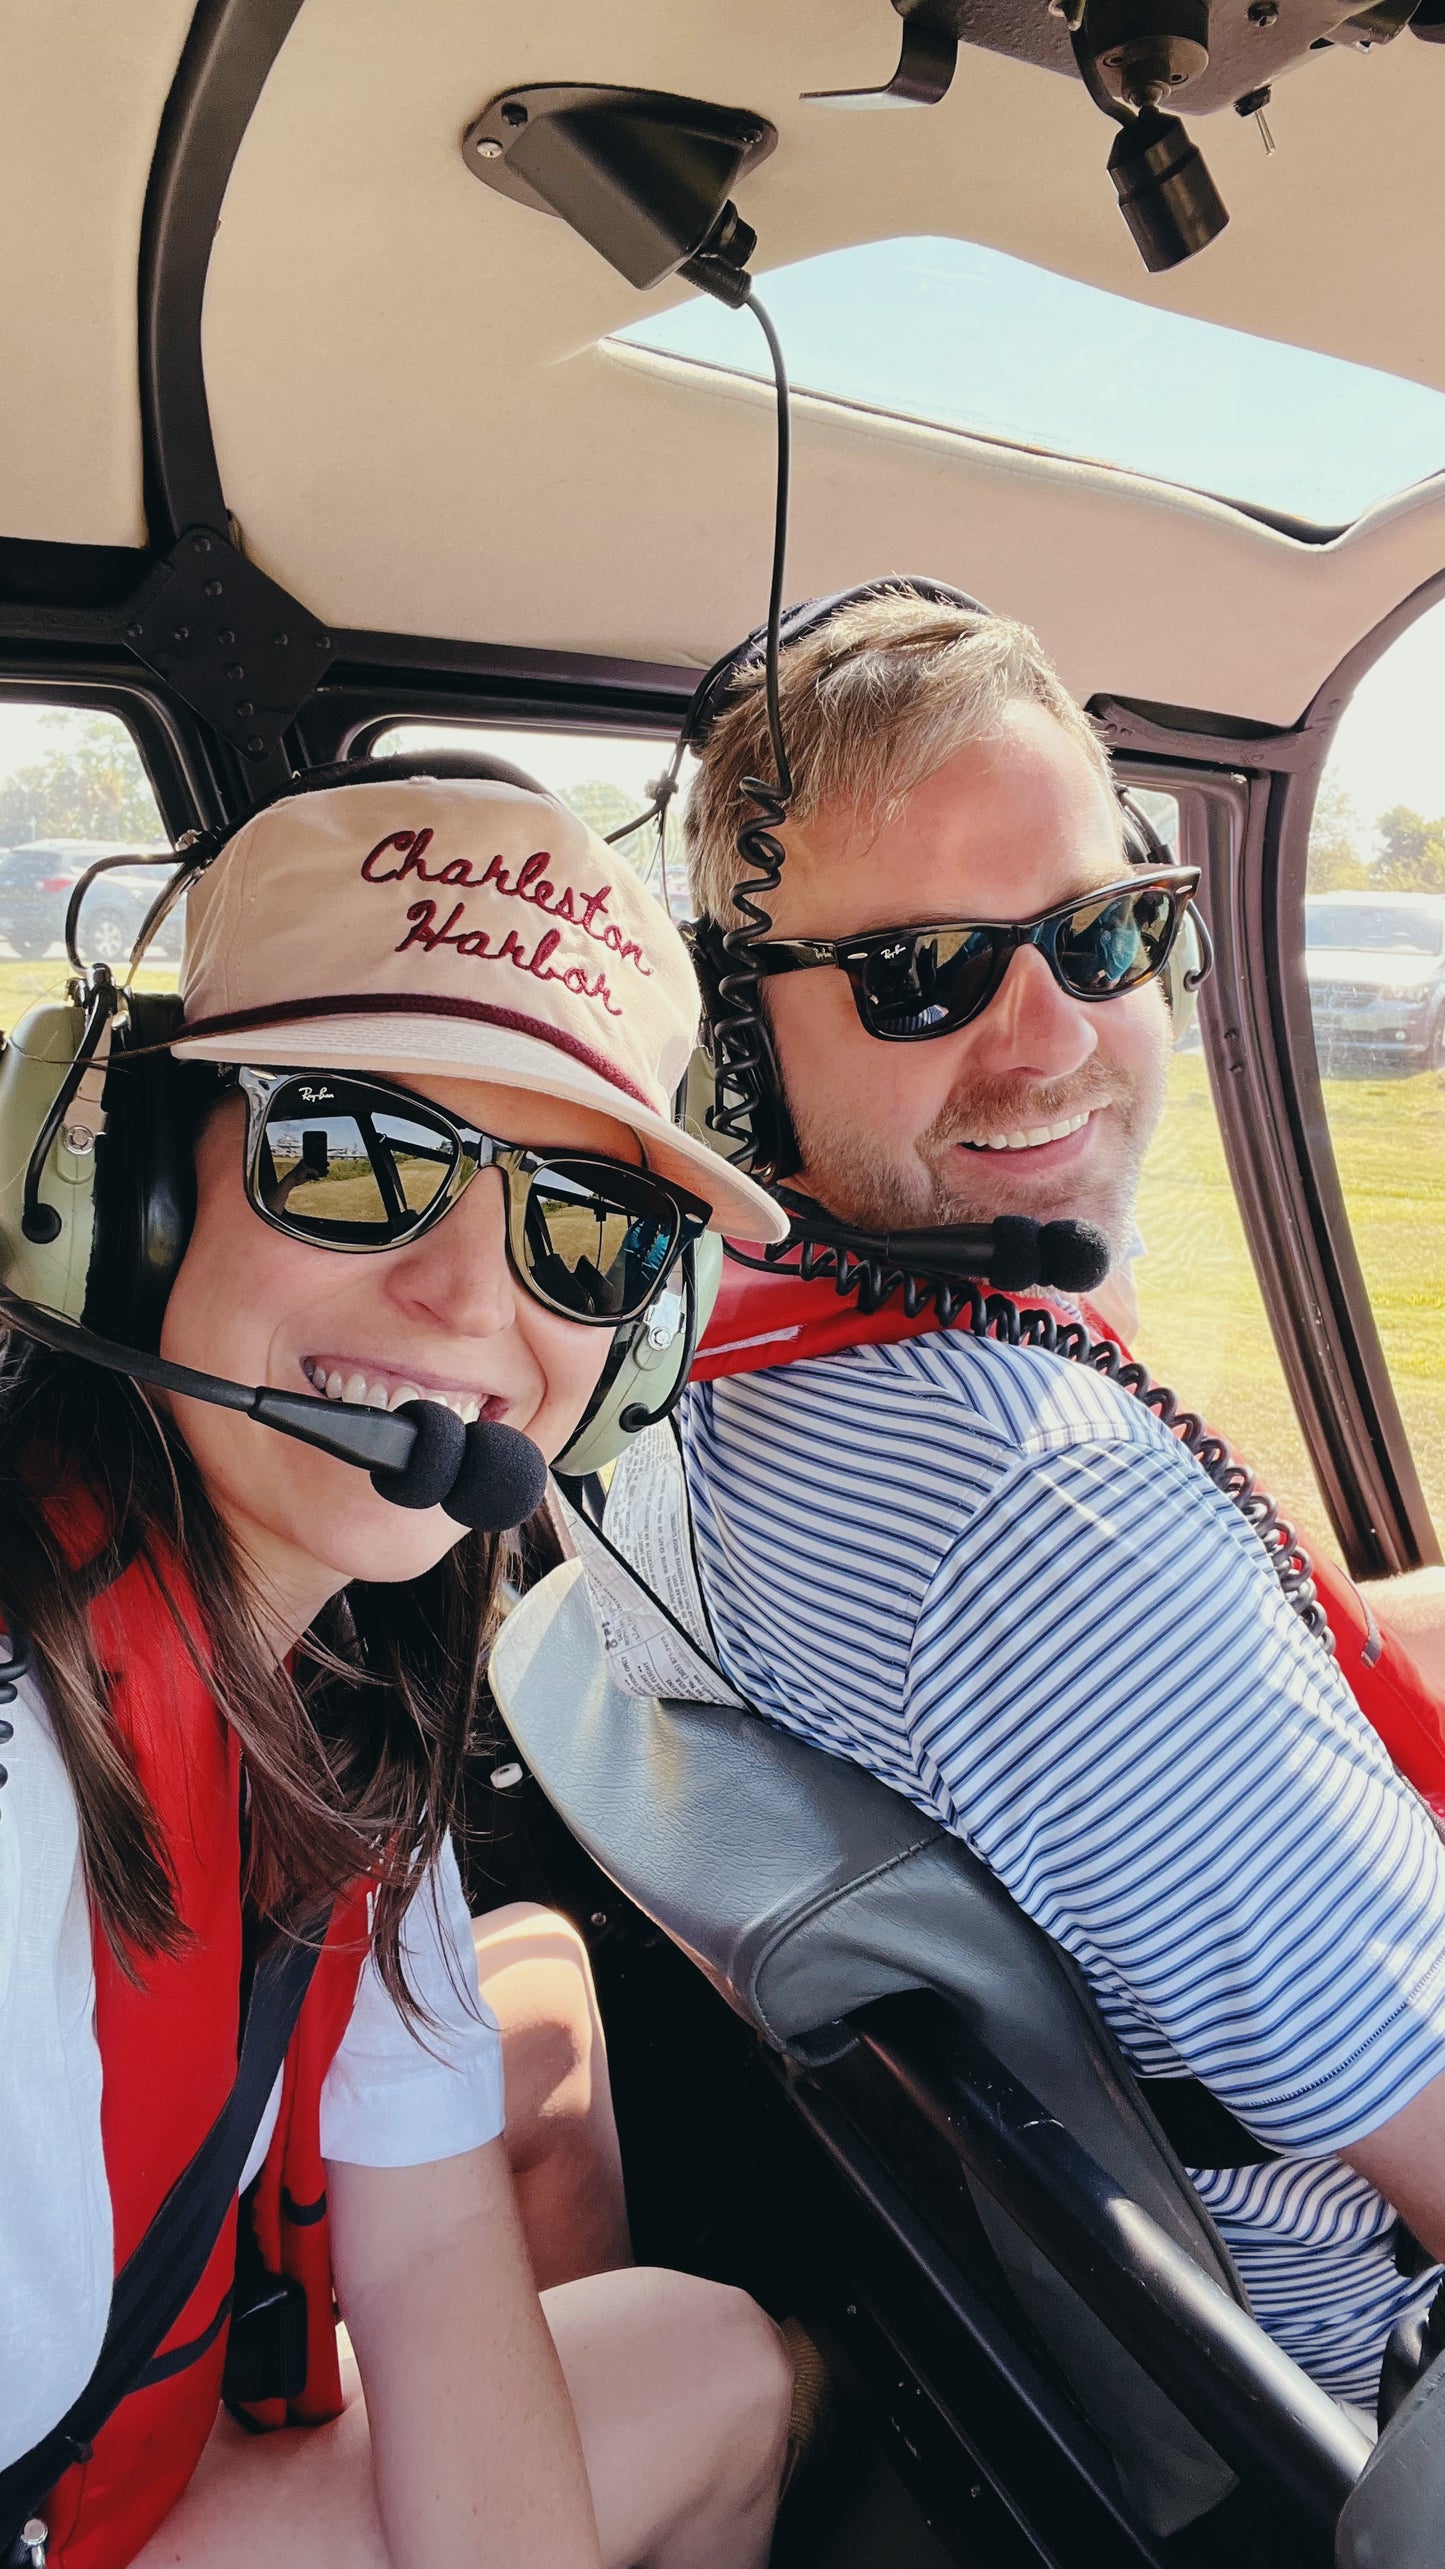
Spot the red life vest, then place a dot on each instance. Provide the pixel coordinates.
(761, 1320)
(168, 2045)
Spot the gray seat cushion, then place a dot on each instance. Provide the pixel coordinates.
(1394, 2517)
(803, 1889)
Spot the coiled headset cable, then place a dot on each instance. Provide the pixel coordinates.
(869, 1271)
(738, 1035)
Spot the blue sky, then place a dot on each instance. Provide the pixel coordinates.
(945, 330)
(949, 331)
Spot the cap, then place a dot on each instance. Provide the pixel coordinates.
(455, 928)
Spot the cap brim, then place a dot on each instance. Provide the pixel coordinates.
(444, 1048)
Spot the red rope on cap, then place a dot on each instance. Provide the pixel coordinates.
(393, 1003)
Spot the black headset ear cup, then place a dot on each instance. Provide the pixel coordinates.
(771, 1143)
(775, 1144)
(145, 1177)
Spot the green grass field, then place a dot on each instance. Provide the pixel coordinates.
(23, 984)
(1202, 1324)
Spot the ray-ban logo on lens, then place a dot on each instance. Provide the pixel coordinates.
(319, 1096)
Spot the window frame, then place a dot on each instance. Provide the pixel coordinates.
(171, 747)
(1408, 1537)
(1245, 821)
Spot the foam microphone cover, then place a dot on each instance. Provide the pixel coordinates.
(1075, 1256)
(1014, 1262)
(438, 1453)
(501, 1479)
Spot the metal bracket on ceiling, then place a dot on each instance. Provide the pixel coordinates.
(926, 64)
(233, 644)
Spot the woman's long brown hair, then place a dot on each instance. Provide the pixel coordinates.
(353, 1757)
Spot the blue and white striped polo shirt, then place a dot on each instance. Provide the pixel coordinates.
(992, 1578)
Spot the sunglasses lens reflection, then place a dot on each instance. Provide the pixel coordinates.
(927, 981)
(1105, 948)
(344, 1165)
(922, 985)
(595, 1250)
(358, 1175)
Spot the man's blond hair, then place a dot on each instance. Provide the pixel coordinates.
(873, 702)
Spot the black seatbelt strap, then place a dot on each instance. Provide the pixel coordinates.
(163, 2270)
(1199, 2130)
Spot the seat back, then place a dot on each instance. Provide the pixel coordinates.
(803, 1889)
(1394, 2517)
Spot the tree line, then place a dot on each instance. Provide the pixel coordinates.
(1408, 853)
(91, 784)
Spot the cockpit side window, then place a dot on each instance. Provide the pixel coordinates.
(605, 777)
(1375, 963)
(73, 789)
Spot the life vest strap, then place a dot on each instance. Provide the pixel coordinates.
(164, 2269)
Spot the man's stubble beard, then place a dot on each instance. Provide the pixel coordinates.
(859, 1180)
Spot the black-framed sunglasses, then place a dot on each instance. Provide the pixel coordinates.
(912, 983)
(360, 1164)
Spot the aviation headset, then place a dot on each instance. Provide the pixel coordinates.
(749, 1114)
(98, 1121)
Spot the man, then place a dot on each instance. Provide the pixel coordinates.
(989, 1575)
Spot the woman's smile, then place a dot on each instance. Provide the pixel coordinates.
(366, 1382)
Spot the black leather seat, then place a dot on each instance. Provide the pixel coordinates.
(804, 1890)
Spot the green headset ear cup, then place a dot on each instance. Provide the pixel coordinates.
(638, 1374)
(33, 1063)
(125, 1206)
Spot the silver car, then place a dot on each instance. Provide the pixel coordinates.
(1376, 968)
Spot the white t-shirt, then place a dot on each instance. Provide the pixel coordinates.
(392, 2097)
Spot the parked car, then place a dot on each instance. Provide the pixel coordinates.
(1376, 968)
(36, 882)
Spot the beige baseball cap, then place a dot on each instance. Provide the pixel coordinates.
(455, 928)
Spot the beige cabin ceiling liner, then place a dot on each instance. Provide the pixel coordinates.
(418, 430)
(82, 86)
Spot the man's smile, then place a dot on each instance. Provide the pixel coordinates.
(1031, 1138)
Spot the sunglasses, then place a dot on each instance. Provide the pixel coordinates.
(912, 983)
(359, 1164)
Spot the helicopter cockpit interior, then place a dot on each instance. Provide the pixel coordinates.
(381, 376)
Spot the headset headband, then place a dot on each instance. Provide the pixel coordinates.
(710, 697)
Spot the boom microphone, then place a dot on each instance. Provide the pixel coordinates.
(486, 1476)
(1014, 1252)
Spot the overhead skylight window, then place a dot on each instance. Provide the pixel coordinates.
(969, 338)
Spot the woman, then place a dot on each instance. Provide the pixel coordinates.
(436, 1163)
